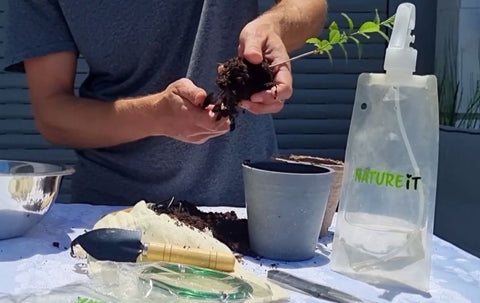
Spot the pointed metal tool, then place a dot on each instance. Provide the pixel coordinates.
(316, 290)
(121, 245)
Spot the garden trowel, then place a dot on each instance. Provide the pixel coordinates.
(121, 245)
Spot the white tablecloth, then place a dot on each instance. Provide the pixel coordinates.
(33, 262)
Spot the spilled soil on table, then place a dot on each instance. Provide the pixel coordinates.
(226, 227)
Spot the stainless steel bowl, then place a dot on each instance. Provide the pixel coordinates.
(27, 190)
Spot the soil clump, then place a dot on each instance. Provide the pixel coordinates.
(238, 80)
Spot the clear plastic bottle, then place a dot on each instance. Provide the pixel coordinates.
(385, 219)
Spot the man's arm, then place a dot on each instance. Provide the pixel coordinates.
(297, 20)
(282, 29)
(62, 118)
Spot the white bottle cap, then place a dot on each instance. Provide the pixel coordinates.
(400, 57)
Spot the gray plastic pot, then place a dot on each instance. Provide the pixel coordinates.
(285, 207)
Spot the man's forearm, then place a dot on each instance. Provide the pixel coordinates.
(297, 20)
(86, 123)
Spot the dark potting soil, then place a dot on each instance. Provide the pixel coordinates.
(237, 80)
(226, 227)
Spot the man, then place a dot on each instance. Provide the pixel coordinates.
(137, 124)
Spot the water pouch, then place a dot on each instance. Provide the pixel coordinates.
(385, 218)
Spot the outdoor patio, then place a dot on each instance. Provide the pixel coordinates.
(315, 121)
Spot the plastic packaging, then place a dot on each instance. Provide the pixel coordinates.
(385, 219)
(154, 282)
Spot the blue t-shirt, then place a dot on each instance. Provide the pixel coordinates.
(135, 48)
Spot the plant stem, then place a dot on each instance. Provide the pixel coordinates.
(295, 58)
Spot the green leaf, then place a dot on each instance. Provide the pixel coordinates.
(349, 20)
(359, 46)
(334, 36)
(314, 41)
(377, 17)
(344, 51)
(369, 27)
(384, 35)
(325, 46)
(365, 35)
(333, 26)
(329, 56)
(388, 25)
(343, 38)
(389, 22)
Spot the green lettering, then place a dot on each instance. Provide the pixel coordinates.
(385, 178)
(365, 175)
(380, 178)
(390, 178)
(399, 181)
(358, 175)
(373, 173)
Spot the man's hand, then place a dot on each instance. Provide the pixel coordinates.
(258, 40)
(183, 118)
(65, 119)
(282, 29)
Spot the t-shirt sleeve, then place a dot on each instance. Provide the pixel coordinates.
(34, 28)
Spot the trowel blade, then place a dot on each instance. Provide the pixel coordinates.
(112, 244)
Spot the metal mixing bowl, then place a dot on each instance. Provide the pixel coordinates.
(27, 190)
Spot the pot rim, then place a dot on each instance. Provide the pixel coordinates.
(304, 169)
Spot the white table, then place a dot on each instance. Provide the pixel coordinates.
(32, 263)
